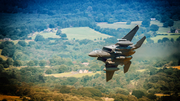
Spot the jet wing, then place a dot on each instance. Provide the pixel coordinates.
(126, 66)
(109, 75)
(110, 69)
(131, 34)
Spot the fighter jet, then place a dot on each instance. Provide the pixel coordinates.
(118, 54)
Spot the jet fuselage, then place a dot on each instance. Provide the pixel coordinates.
(114, 54)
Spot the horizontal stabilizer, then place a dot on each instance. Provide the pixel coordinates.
(131, 34)
(109, 75)
(126, 66)
(139, 43)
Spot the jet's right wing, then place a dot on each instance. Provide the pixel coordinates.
(109, 75)
(131, 34)
(110, 69)
(126, 66)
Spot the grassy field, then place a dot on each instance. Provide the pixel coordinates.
(162, 36)
(46, 34)
(83, 33)
(3, 57)
(75, 32)
(119, 25)
(123, 24)
(70, 74)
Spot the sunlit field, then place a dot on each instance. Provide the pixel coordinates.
(119, 25)
(83, 33)
(74, 33)
(163, 36)
(70, 74)
(46, 34)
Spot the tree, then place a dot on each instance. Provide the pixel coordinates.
(31, 63)
(175, 17)
(164, 18)
(165, 39)
(151, 96)
(36, 62)
(120, 97)
(5, 65)
(94, 92)
(172, 30)
(159, 41)
(165, 24)
(154, 27)
(42, 63)
(72, 80)
(158, 17)
(145, 23)
(22, 43)
(63, 35)
(58, 32)
(39, 38)
(32, 43)
(17, 63)
(51, 26)
(138, 93)
(132, 98)
(111, 21)
(1, 68)
(122, 91)
(1, 60)
(178, 39)
(9, 61)
(102, 89)
(8, 51)
(62, 68)
(48, 71)
(65, 89)
(170, 22)
(94, 67)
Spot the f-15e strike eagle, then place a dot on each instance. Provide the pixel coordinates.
(118, 54)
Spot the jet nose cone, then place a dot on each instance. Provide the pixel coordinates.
(92, 54)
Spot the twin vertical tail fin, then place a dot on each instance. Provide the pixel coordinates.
(139, 43)
(131, 34)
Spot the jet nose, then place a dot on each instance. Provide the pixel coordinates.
(92, 54)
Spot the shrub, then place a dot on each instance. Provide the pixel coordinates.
(39, 38)
(22, 43)
(138, 93)
(49, 71)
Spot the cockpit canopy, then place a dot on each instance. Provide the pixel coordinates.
(106, 49)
